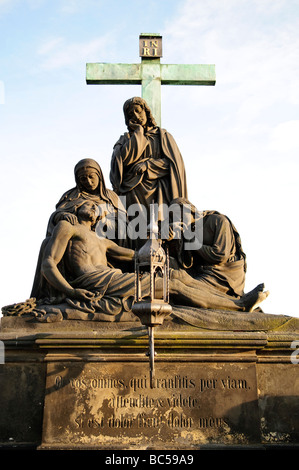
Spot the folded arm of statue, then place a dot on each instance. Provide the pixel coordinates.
(158, 168)
(130, 147)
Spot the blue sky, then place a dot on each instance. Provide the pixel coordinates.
(239, 139)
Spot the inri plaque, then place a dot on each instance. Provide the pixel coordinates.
(150, 46)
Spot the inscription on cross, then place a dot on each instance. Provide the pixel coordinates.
(150, 46)
(150, 73)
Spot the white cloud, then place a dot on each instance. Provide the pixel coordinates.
(57, 52)
(284, 138)
(2, 92)
(254, 53)
(33, 4)
(6, 5)
(50, 45)
(74, 6)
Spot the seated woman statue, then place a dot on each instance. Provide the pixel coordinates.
(90, 186)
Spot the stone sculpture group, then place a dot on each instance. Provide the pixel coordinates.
(85, 268)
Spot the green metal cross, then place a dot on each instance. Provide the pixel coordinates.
(150, 73)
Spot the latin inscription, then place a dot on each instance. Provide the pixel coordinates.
(228, 383)
(102, 402)
(141, 402)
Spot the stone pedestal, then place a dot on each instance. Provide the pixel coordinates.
(85, 385)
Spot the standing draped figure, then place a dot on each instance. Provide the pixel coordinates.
(146, 165)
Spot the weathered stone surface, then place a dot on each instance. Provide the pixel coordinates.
(80, 384)
(22, 401)
(279, 401)
(112, 405)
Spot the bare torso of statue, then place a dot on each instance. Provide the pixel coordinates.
(86, 251)
(82, 249)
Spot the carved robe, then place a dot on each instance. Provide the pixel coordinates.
(164, 179)
(220, 263)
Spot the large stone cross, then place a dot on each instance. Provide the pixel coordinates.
(150, 73)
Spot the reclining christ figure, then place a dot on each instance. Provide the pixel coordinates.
(89, 284)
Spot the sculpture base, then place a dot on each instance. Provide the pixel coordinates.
(85, 385)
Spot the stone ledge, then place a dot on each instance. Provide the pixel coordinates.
(47, 366)
(26, 332)
(182, 319)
